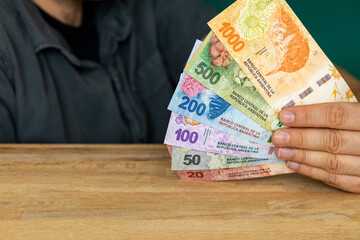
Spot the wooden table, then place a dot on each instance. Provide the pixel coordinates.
(128, 192)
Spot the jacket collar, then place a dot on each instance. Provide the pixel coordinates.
(113, 21)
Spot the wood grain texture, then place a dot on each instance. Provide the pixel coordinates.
(128, 192)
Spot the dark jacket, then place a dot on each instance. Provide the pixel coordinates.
(48, 95)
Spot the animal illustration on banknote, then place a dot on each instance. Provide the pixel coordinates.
(217, 107)
(291, 46)
(241, 79)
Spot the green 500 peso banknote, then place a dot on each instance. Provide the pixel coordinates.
(214, 67)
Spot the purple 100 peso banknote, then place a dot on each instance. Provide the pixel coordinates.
(187, 133)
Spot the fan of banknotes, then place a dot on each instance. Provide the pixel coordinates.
(257, 60)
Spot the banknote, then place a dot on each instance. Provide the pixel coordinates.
(187, 133)
(169, 148)
(235, 173)
(278, 54)
(193, 100)
(214, 68)
(188, 159)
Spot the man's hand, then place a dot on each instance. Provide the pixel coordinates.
(323, 142)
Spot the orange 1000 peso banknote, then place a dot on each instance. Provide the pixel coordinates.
(278, 54)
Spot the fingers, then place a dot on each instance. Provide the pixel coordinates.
(343, 116)
(332, 163)
(327, 148)
(346, 183)
(327, 140)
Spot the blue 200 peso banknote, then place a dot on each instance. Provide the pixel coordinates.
(193, 100)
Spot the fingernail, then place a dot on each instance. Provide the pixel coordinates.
(281, 138)
(287, 117)
(293, 165)
(284, 153)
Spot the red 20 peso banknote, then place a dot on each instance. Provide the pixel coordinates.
(236, 173)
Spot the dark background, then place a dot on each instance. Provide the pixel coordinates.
(334, 24)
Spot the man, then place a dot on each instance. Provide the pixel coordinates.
(103, 72)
